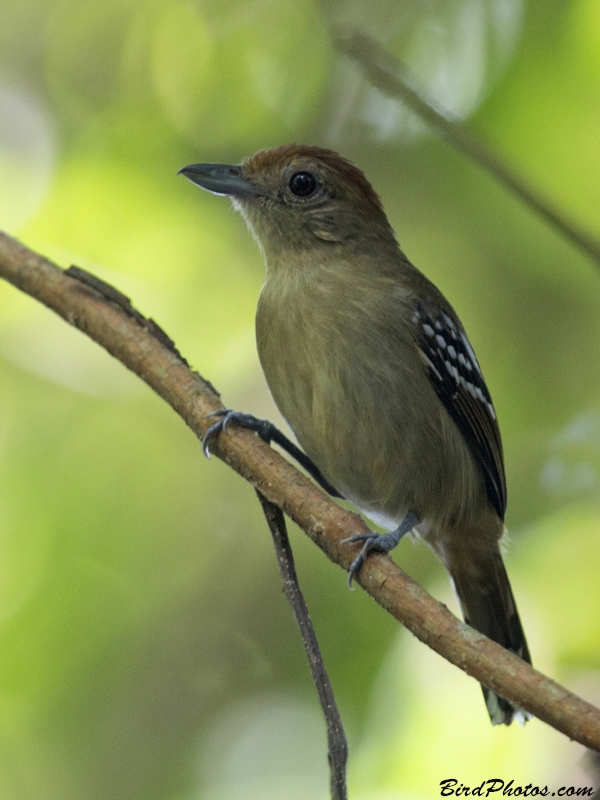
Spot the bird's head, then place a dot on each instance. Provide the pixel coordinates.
(297, 198)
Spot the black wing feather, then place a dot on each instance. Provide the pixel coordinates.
(458, 382)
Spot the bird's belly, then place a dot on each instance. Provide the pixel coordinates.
(380, 448)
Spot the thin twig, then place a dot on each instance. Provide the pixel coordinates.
(393, 78)
(282, 484)
(336, 738)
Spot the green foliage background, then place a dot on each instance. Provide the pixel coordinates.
(146, 651)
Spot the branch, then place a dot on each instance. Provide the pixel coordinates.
(336, 738)
(394, 79)
(137, 347)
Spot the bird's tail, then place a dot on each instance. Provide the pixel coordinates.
(488, 605)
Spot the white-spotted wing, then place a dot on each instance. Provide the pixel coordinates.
(458, 382)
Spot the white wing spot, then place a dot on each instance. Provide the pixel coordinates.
(471, 353)
(450, 324)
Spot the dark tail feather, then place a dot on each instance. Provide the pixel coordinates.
(488, 605)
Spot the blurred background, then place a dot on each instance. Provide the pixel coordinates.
(146, 650)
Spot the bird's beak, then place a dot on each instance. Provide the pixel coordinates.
(219, 179)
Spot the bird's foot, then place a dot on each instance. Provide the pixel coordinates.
(268, 433)
(380, 542)
(265, 429)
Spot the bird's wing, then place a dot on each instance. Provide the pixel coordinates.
(458, 381)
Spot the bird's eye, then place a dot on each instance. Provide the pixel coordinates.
(303, 184)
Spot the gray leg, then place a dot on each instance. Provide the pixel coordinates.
(268, 433)
(382, 542)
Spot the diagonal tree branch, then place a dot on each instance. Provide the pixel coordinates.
(394, 79)
(136, 345)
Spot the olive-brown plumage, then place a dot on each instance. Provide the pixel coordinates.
(372, 369)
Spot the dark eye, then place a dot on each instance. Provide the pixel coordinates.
(303, 184)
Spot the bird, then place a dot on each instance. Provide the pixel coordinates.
(373, 371)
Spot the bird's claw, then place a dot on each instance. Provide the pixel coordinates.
(370, 543)
(359, 537)
(383, 542)
(220, 425)
(262, 427)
